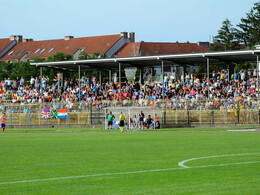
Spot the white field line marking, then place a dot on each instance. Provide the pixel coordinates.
(242, 130)
(181, 164)
(122, 173)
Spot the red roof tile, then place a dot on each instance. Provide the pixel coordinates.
(4, 43)
(91, 44)
(129, 49)
(150, 49)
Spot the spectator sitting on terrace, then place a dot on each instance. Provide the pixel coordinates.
(148, 95)
(148, 122)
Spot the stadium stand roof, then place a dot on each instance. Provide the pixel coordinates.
(141, 61)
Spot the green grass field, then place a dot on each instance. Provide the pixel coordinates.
(130, 163)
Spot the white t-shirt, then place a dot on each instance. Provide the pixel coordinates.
(32, 81)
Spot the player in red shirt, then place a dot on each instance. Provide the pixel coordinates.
(2, 118)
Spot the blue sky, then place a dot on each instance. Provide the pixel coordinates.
(152, 21)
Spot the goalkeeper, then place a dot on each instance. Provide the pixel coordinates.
(110, 117)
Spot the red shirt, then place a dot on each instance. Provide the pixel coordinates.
(2, 119)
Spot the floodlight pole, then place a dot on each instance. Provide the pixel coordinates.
(257, 65)
(208, 75)
(120, 81)
(79, 84)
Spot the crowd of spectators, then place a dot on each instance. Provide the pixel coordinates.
(188, 92)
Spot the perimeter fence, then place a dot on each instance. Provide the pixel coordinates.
(174, 112)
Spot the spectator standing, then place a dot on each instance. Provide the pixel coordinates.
(173, 76)
(249, 73)
(110, 118)
(166, 80)
(8, 83)
(141, 120)
(222, 75)
(194, 73)
(15, 85)
(21, 82)
(242, 75)
(32, 81)
(44, 82)
(37, 82)
(157, 122)
(236, 76)
(2, 118)
(94, 80)
(187, 78)
(134, 122)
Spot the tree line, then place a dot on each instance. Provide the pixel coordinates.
(244, 35)
(20, 69)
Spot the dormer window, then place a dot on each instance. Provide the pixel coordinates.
(42, 50)
(51, 50)
(11, 53)
(16, 52)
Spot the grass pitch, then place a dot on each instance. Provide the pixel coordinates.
(129, 163)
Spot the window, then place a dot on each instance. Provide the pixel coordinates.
(11, 53)
(16, 52)
(42, 50)
(37, 51)
(51, 50)
(21, 52)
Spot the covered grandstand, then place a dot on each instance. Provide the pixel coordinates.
(225, 57)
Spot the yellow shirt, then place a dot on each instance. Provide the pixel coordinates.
(121, 117)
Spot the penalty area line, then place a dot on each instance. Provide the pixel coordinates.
(123, 173)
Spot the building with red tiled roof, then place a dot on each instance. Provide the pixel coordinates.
(120, 45)
(27, 48)
(152, 48)
(6, 45)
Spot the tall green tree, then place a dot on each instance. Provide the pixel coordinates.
(84, 56)
(226, 39)
(59, 56)
(6, 70)
(248, 31)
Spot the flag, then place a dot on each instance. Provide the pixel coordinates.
(46, 112)
(47, 109)
(62, 113)
(54, 114)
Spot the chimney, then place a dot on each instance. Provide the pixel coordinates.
(124, 34)
(203, 44)
(132, 37)
(17, 38)
(27, 40)
(12, 38)
(66, 38)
